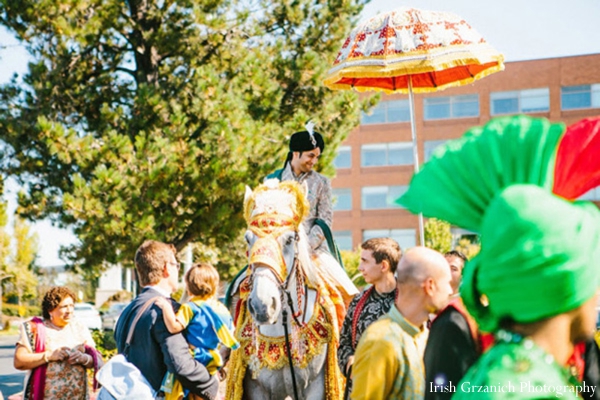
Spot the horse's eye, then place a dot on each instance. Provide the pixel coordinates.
(289, 239)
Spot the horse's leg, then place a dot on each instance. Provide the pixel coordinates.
(316, 369)
(316, 388)
(254, 389)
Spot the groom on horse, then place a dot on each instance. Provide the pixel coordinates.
(305, 149)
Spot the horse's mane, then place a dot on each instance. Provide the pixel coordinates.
(304, 261)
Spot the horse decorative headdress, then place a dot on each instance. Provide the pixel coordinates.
(272, 209)
(274, 213)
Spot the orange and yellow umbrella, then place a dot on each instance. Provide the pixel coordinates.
(427, 50)
(412, 51)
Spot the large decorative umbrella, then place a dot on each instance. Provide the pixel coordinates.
(412, 51)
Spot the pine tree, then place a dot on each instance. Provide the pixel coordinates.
(145, 119)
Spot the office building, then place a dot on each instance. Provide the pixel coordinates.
(375, 163)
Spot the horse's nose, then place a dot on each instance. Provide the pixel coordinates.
(263, 311)
(273, 306)
(251, 307)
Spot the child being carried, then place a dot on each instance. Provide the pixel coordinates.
(206, 324)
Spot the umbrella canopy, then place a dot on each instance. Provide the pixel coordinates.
(435, 49)
(412, 51)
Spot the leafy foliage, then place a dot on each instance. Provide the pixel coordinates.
(438, 235)
(468, 248)
(351, 261)
(105, 343)
(18, 251)
(145, 119)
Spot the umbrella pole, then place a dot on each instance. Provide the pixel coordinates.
(413, 130)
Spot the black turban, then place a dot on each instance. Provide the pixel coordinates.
(302, 141)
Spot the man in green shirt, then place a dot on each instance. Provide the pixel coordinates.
(535, 281)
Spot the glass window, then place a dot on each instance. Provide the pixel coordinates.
(451, 107)
(581, 96)
(394, 194)
(382, 154)
(343, 158)
(596, 95)
(437, 108)
(343, 239)
(430, 146)
(381, 197)
(374, 197)
(342, 199)
(465, 106)
(375, 233)
(373, 155)
(386, 112)
(591, 195)
(504, 103)
(375, 116)
(406, 238)
(400, 153)
(398, 111)
(523, 101)
(535, 100)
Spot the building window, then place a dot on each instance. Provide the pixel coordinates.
(343, 239)
(387, 112)
(343, 158)
(382, 154)
(582, 96)
(430, 146)
(520, 101)
(451, 107)
(406, 238)
(381, 197)
(591, 195)
(342, 199)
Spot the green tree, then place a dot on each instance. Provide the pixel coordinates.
(351, 261)
(22, 284)
(145, 119)
(4, 247)
(438, 235)
(468, 248)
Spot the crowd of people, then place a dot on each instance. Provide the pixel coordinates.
(515, 322)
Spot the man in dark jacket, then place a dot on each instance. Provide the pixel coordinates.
(153, 349)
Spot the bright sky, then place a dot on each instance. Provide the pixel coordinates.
(521, 29)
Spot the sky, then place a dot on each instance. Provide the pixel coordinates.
(520, 29)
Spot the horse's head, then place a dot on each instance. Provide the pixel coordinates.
(274, 213)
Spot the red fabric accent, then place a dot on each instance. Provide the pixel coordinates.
(483, 340)
(357, 311)
(96, 357)
(576, 363)
(38, 375)
(430, 79)
(577, 167)
(486, 340)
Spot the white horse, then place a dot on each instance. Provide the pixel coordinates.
(289, 308)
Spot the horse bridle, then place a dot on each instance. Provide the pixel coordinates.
(284, 294)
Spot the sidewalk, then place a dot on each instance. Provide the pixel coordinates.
(11, 379)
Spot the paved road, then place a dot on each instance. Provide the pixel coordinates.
(11, 380)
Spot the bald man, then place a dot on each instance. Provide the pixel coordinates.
(389, 358)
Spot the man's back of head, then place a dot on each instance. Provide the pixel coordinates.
(150, 258)
(423, 279)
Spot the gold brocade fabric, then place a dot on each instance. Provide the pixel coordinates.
(269, 352)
